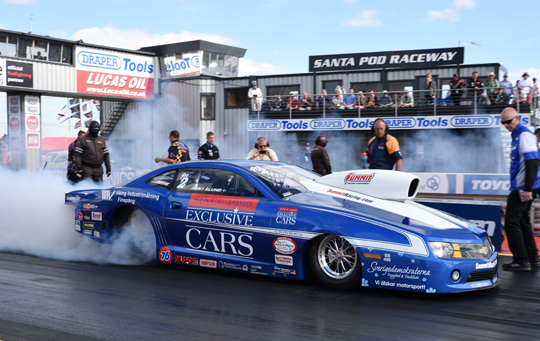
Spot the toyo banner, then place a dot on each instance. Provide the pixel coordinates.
(417, 122)
(115, 74)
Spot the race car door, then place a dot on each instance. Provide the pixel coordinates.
(212, 212)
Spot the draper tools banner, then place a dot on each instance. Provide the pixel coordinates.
(392, 59)
(417, 122)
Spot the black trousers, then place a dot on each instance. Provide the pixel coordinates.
(519, 231)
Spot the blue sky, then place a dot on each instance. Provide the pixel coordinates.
(280, 35)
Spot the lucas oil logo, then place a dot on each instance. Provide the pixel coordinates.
(364, 179)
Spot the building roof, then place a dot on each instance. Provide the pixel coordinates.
(196, 45)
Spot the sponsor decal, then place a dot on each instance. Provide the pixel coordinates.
(395, 272)
(88, 225)
(471, 121)
(284, 245)
(165, 255)
(232, 266)
(264, 125)
(208, 263)
(97, 234)
(77, 226)
(284, 271)
(89, 206)
(19, 74)
(78, 215)
(86, 217)
(286, 215)
(363, 179)
(223, 202)
(186, 260)
(97, 216)
(372, 255)
(350, 195)
(401, 285)
(283, 260)
(488, 265)
(217, 240)
(87, 232)
(327, 124)
(73, 198)
(107, 195)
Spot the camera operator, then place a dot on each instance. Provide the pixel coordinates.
(262, 152)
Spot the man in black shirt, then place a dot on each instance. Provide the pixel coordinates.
(209, 151)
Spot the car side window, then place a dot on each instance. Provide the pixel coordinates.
(163, 180)
(214, 181)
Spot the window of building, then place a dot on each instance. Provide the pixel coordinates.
(365, 87)
(55, 51)
(11, 47)
(236, 97)
(3, 44)
(282, 91)
(220, 64)
(331, 86)
(25, 48)
(67, 54)
(208, 107)
(40, 50)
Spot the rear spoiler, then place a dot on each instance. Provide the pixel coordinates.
(73, 198)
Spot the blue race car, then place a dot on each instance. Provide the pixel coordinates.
(347, 229)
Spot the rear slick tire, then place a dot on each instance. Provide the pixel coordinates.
(141, 236)
(334, 262)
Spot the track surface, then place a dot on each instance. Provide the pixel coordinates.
(43, 299)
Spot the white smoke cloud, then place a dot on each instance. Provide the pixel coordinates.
(35, 221)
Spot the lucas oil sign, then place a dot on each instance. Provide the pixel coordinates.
(114, 74)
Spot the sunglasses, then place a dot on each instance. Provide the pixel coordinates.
(508, 121)
(263, 145)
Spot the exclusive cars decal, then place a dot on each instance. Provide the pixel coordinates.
(286, 215)
(220, 241)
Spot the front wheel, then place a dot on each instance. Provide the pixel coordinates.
(334, 262)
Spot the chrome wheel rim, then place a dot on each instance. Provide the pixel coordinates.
(337, 257)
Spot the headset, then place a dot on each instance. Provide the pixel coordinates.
(257, 143)
(380, 119)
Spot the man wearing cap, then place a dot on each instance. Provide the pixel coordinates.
(304, 158)
(256, 96)
(491, 86)
(525, 85)
(506, 85)
(385, 100)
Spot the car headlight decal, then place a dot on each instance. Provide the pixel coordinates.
(462, 250)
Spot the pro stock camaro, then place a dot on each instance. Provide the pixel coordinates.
(347, 229)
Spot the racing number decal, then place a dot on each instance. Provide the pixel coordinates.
(165, 255)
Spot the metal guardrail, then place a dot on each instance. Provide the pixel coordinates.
(472, 102)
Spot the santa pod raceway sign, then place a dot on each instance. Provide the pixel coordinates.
(391, 59)
(114, 74)
(417, 122)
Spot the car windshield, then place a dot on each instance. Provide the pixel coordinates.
(285, 180)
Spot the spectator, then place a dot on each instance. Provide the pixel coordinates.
(372, 101)
(361, 101)
(73, 174)
(383, 149)
(537, 134)
(491, 86)
(337, 100)
(304, 159)
(524, 187)
(501, 97)
(324, 101)
(340, 88)
(430, 87)
(90, 153)
(262, 152)
(507, 86)
(525, 85)
(5, 154)
(292, 103)
(456, 89)
(208, 151)
(178, 151)
(266, 106)
(385, 100)
(535, 93)
(256, 96)
(279, 104)
(319, 157)
(406, 100)
(349, 101)
(306, 103)
(476, 88)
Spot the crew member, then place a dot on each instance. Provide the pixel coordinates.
(383, 149)
(5, 154)
(319, 157)
(72, 171)
(178, 151)
(90, 153)
(524, 187)
(262, 151)
(209, 151)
